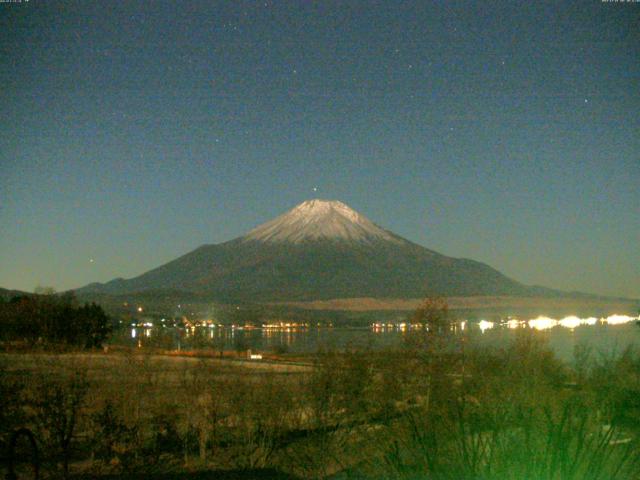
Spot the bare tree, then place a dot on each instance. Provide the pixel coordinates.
(56, 401)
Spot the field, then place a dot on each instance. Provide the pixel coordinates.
(128, 405)
(432, 409)
(497, 303)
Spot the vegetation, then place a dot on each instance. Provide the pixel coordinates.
(437, 408)
(49, 319)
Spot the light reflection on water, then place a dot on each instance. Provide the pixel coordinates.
(484, 325)
(607, 334)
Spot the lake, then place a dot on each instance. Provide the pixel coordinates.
(603, 335)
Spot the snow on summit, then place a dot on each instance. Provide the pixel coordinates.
(320, 219)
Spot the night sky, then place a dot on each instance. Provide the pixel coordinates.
(134, 131)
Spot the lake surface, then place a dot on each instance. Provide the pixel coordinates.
(604, 336)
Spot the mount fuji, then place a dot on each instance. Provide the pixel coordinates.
(318, 250)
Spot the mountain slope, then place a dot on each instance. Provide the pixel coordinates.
(7, 294)
(318, 250)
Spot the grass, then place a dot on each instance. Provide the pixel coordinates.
(416, 412)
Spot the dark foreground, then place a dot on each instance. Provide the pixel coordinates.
(257, 474)
(438, 408)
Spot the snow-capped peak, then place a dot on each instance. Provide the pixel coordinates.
(320, 219)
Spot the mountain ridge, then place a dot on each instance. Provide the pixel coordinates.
(318, 250)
